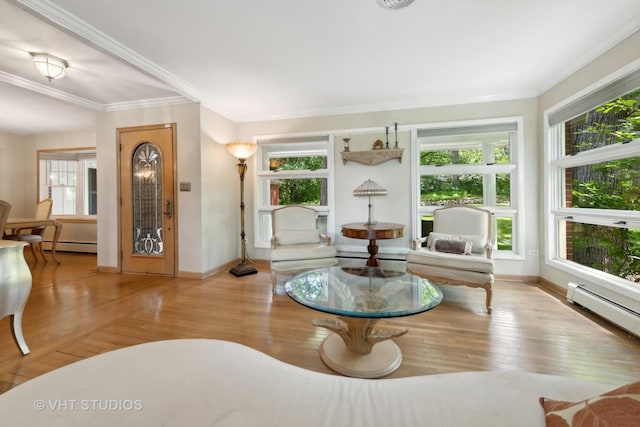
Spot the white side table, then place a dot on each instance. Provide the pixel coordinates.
(15, 287)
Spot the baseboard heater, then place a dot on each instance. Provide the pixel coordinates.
(615, 313)
(85, 247)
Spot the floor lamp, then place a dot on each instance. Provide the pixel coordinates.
(242, 151)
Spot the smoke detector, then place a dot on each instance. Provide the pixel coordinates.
(394, 4)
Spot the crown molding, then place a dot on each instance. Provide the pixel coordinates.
(70, 23)
(49, 91)
(86, 103)
(147, 103)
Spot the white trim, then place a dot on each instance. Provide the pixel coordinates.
(606, 280)
(621, 72)
(475, 168)
(147, 103)
(49, 91)
(599, 155)
(416, 229)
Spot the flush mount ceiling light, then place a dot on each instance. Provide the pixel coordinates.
(49, 66)
(394, 4)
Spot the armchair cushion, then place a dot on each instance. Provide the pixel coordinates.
(478, 242)
(460, 247)
(297, 237)
(300, 252)
(473, 262)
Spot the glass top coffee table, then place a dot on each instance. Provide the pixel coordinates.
(360, 297)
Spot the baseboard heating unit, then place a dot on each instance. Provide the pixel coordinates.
(615, 313)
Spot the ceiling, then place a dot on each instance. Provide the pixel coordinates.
(263, 60)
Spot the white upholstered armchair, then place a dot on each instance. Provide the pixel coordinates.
(457, 251)
(296, 242)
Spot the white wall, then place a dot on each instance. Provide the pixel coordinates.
(396, 206)
(623, 56)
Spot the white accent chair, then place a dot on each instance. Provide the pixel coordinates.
(458, 250)
(296, 242)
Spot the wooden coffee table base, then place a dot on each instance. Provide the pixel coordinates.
(385, 357)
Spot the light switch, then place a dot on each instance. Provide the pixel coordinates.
(185, 186)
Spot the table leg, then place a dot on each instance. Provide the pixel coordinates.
(358, 350)
(54, 243)
(373, 252)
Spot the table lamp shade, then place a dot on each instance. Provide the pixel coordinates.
(369, 188)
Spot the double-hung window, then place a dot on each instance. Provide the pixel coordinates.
(472, 164)
(292, 171)
(69, 179)
(594, 183)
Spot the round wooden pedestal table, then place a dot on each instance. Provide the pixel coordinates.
(373, 232)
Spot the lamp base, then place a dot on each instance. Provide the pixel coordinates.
(243, 269)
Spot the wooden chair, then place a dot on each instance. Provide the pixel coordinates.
(5, 208)
(457, 251)
(296, 242)
(34, 235)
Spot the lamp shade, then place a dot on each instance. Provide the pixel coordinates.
(369, 188)
(242, 150)
(49, 66)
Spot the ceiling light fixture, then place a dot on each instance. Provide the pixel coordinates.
(49, 66)
(394, 4)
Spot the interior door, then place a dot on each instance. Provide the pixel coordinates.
(147, 204)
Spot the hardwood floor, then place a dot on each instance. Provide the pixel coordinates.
(75, 312)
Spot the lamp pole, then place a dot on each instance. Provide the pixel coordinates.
(242, 151)
(243, 268)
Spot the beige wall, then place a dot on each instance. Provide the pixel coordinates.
(187, 118)
(14, 172)
(220, 193)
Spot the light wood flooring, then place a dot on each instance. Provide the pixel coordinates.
(75, 312)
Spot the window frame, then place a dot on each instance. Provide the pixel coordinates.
(515, 168)
(262, 211)
(79, 155)
(556, 161)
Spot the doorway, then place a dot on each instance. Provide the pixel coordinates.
(147, 199)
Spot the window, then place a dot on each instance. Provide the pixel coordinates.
(472, 164)
(69, 178)
(292, 171)
(594, 181)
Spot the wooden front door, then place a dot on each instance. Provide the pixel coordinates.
(147, 204)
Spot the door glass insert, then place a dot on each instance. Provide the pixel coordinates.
(147, 200)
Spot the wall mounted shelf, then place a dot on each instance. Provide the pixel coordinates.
(372, 157)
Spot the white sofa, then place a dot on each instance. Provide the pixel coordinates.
(199, 382)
